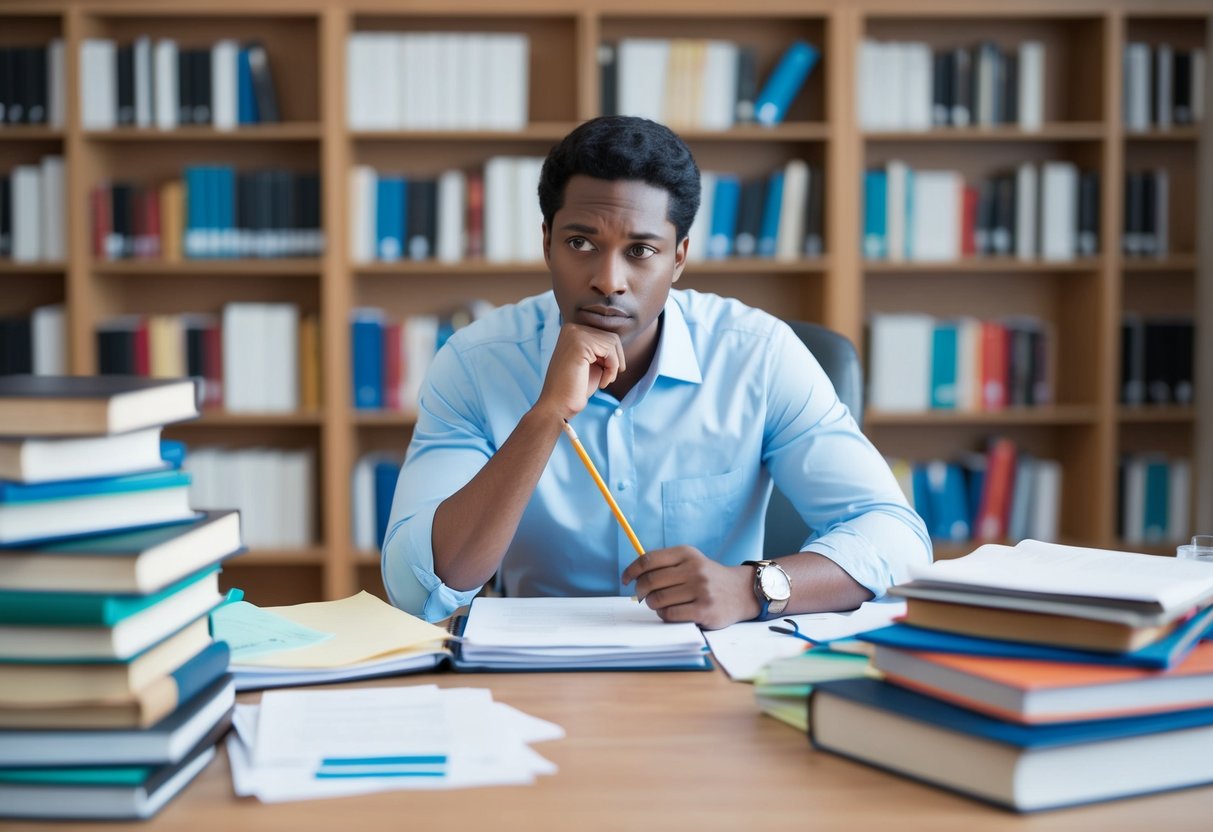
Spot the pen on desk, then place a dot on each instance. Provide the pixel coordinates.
(602, 486)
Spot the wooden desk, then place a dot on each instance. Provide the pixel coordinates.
(658, 751)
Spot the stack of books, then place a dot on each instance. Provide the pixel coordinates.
(113, 693)
(1037, 676)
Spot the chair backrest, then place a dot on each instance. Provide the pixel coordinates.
(785, 530)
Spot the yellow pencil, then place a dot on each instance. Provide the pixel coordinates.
(602, 486)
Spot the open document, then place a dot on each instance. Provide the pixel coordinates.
(576, 633)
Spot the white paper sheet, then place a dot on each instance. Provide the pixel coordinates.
(578, 623)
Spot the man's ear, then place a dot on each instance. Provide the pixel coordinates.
(547, 244)
(680, 257)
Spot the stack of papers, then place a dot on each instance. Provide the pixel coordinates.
(576, 634)
(326, 641)
(302, 744)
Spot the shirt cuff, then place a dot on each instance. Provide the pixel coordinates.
(408, 570)
(857, 557)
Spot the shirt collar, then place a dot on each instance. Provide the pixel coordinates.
(675, 357)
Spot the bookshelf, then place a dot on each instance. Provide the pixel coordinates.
(1087, 429)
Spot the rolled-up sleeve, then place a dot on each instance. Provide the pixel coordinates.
(448, 448)
(837, 480)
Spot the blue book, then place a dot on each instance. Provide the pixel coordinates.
(1158, 478)
(1166, 652)
(771, 106)
(366, 332)
(390, 218)
(86, 609)
(246, 98)
(770, 216)
(386, 474)
(1010, 765)
(225, 211)
(921, 487)
(948, 506)
(875, 214)
(195, 209)
(943, 365)
(13, 493)
(725, 205)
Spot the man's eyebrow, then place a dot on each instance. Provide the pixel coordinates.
(589, 229)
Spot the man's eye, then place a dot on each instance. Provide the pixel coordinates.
(641, 252)
(580, 244)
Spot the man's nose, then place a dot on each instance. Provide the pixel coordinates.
(610, 278)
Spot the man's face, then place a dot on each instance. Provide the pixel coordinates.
(613, 258)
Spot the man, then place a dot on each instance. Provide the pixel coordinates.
(689, 404)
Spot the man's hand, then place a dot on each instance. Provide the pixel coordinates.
(585, 360)
(683, 584)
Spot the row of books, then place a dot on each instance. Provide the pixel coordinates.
(1038, 676)
(273, 488)
(1156, 359)
(778, 216)
(1003, 493)
(437, 80)
(33, 213)
(391, 356)
(1147, 214)
(917, 362)
(372, 487)
(1155, 499)
(113, 693)
(1163, 86)
(31, 84)
(695, 83)
(216, 212)
(1048, 212)
(252, 357)
(491, 213)
(34, 343)
(904, 85)
(163, 85)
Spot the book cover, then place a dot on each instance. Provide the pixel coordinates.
(785, 81)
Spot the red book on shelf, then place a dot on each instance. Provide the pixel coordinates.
(994, 363)
(994, 508)
(212, 363)
(968, 221)
(151, 210)
(393, 369)
(99, 199)
(475, 218)
(143, 350)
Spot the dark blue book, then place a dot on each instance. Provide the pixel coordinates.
(386, 474)
(1166, 652)
(1020, 767)
(769, 235)
(246, 97)
(786, 80)
(725, 205)
(390, 217)
(366, 332)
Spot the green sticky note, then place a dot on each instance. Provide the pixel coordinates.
(251, 631)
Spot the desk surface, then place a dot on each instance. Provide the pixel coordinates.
(658, 751)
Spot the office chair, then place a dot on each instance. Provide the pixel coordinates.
(785, 530)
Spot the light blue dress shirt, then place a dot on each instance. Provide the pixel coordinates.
(731, 400)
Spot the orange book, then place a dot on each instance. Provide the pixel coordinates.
(994, 363)
(1030, 691)
(994, 509)
(172, 220)
(309, 362)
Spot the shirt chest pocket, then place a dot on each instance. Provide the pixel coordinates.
(700, 511)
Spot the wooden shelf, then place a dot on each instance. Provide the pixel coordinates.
(1079, 131)
(38, 267)
(1171, 263)
(1156, 414)
(314, 556)
(30, 133)
(385, 418)
(430, 268)
(790, 132)
(190, 268)
(1173, 134)
(1058, 415)
(984, 264)
(224, 419)
(303, 131)
(1164, 549)
(540, 131)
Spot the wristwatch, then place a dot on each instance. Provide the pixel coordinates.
(772, 587)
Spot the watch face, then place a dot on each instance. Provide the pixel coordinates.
(775, 583)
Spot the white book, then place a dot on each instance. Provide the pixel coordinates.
(1026, 210)
(968, 361)
(900, 361)
(56, 84)
(1058, 211)
(442, 77)
(371, 85)
(500, 230)
(452, 216)
(142, 51)
(358, 94)
(294, 514)
(516, 77)
(282, 357)
(53, 237)
(98, 84)
(867, 89)
(363, 213)
(164, 80)
(789, 240)
(701, 227)
(1031, 85)
(241, 349)
(1179, 505)
(1137, 87)
(27, 215)
(1164, 60)
(717, 110)
(225, 55)
(419, 340)
(424, 48)
(409, 93)
(1133, 507)
(1044, 514)
(362, 502)
(936, 228)
(640, 88)
(528, 244)
(467, 78)
(918, 67)
(896, 208)
(48, 332)
(1162, 213)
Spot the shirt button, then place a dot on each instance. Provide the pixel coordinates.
(619, 411)
(623, 486)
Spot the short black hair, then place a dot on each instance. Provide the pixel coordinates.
(624, 148)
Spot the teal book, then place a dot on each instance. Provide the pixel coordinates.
(83, 609)
(1158, 502)
(943, 365)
